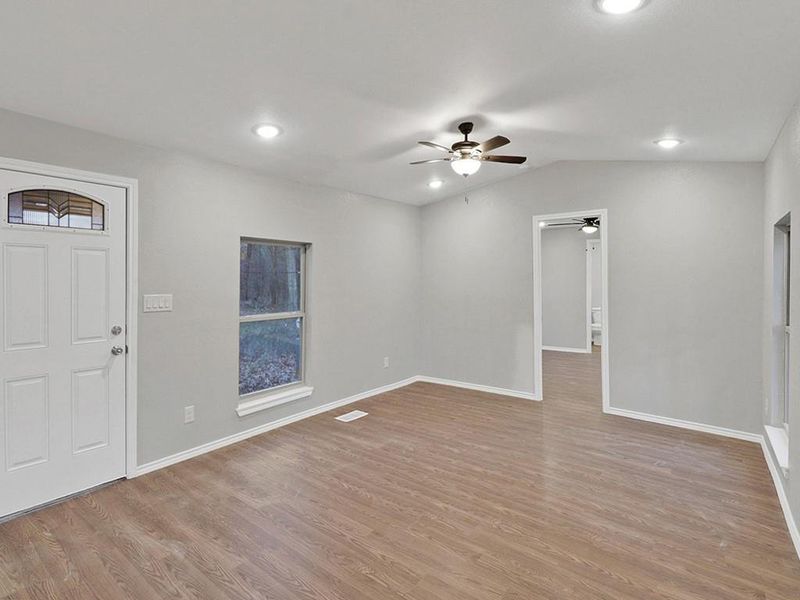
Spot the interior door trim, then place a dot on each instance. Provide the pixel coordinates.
(131, 187)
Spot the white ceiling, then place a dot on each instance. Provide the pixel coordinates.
(355, 83)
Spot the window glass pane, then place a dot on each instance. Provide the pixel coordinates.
(269, 354)
(15, 207)
(269, 278)
(55, 208)
(97, 215)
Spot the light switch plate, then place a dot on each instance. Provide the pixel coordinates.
(157, 302)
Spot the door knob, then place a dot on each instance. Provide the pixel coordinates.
(117, 350)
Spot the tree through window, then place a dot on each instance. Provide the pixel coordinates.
(271, 315)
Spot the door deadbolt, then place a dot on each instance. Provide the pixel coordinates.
(116, 330)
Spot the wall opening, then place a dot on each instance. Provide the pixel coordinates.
(781, 323)
(571, 300)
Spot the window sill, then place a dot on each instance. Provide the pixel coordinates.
(779, 440)
(270, 400)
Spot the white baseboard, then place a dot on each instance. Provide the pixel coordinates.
(774, 470)
(243, 435)
(563, 349)
(731, 433)
(478, 387)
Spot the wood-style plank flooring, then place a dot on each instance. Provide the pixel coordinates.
(439, 493)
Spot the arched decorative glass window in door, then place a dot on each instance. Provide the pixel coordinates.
(55, 208)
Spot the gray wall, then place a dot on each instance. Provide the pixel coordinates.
(363, 289)
(685, 283)
(782, 194)
(685, 254)
(564, 288)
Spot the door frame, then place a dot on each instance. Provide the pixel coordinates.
(131, 187)
(602, 214)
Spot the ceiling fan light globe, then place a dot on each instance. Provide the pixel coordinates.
(465, 166)
(589, 229)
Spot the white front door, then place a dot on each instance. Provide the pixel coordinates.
(62, 337)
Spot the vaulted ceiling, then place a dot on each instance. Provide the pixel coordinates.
(356, 83)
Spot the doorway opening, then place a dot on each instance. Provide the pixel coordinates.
(779, 407)
(571, 299)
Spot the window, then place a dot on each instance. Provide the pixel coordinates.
(55, 208)
(271, 315)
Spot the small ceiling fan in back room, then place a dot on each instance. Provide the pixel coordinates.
(585, 224)
(466, 156)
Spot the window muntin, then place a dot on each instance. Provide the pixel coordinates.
(55, 208)
(271, 315)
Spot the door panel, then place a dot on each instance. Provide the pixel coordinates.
(90, 294)
(27, 424)
(62, 276)
(25, 305)
(89, 410)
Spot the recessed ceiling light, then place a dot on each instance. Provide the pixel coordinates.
(435, 184)
(267, 131)
(668, 143)
(618, 7)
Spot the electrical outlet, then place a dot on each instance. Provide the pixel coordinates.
(385, 362)
(188, 414)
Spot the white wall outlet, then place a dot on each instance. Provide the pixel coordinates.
(188, 414)
(385, 362)
(157, 303)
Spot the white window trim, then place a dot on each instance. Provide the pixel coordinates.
(271, 397)
(779, 440)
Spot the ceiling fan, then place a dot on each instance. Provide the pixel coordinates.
(585, 224)
(466, 156)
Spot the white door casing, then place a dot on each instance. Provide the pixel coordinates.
(62, 391)
(601, 214)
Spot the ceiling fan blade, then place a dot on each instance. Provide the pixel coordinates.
(496, 142)
(422, 162)
(560, 226)
(516, 160)
(436, 146)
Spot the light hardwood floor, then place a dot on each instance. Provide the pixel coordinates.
(439, 493)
